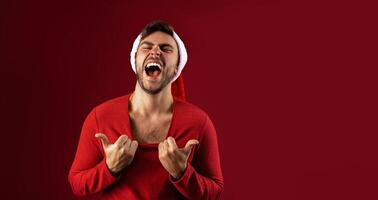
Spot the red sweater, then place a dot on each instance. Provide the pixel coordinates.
(145, 177)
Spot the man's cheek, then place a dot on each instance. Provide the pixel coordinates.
(139, 63)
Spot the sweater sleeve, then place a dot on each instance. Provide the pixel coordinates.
(203, 178)
(89, 173)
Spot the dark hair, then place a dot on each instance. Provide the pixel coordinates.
(157, 26)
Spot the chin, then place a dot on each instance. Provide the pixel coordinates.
(153, 88)
(152, 92)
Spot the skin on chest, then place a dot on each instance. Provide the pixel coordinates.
(150, 129)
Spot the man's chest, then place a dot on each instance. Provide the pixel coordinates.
(150, 130)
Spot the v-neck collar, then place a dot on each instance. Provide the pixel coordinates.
(128, 126)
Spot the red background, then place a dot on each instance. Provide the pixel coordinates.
(290, 87)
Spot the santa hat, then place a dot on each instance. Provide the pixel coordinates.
(178, 90)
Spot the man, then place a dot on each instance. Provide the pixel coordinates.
(150, 144)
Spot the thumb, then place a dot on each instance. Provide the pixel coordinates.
(189, 145)
(104, 139)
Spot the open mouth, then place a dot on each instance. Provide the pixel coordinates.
(153, 69)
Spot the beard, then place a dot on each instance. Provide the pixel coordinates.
(166, 79)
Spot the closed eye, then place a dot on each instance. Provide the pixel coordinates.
(146, 47)
(167, 49)
(163, 47)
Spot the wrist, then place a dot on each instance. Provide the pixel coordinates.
(177, 176)
(112, 171)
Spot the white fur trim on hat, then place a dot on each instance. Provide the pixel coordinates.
(183, 55)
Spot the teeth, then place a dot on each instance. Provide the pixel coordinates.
(150, 64)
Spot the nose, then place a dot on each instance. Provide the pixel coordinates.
(155, 51)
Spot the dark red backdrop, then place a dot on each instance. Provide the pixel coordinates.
(290, 87)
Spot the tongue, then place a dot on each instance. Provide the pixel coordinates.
(155, 73)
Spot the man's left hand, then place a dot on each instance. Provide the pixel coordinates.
(173, 159)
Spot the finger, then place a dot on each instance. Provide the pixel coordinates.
(104, 139)
(171, 144)
(133, 146)
(190, 144)
(165, 145)
(127, 144)
(121, 140)
(160, 148)
(167, 149)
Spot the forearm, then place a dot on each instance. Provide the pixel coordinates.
(193, 185)
(203, 177)
(89, 181)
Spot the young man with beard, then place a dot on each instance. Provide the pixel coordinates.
(150, 144)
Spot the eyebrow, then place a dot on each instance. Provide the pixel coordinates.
(160, 45)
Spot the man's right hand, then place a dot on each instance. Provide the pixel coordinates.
(120, 154)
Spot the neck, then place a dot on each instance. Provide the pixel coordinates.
(151, 104)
